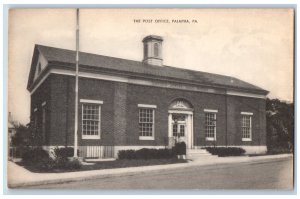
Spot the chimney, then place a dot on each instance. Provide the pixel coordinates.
(153, 50)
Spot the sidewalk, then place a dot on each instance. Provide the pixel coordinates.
(19, 177)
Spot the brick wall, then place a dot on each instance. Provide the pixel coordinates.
(37, 98)
(119, 112)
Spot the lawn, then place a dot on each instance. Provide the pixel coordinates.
(110, 165)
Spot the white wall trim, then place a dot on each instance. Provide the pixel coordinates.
(91, 101)
(40, 61)
(210, 110)
(246, 113)
(40, 82)
(246, 139)
(243, 94)
(181, 111)
(147, 106)
(210, 138)
(146, 137)
(91, 137)
(144, 82)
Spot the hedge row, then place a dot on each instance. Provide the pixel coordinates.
(146, 154)
(225, 151)
(42, 161)
(179, 149)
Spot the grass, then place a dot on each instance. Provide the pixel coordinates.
(110, 165)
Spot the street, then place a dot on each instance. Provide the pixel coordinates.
(272, 174)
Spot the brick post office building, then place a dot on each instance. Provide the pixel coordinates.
(125, 104)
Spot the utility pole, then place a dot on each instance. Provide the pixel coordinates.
(76, 86)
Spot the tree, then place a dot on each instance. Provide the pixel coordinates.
(26, 136)
(280, 126)
(22, 136)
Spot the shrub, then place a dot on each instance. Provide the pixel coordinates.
(64, 152)
(45, 164)
(180, 148)
(225, 151)
(62, 156)
(34, 155)
(41, 160)
(38, 158)
(72, 165)
(279, 150)
(145, 153)
(127, 154)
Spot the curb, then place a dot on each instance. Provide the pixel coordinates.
(145, 169)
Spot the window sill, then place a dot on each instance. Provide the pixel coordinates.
(146, 138)
(90, 137)
(246, 139)
(210, 139)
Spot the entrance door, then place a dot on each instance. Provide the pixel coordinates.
(180, 127)
(179, 124)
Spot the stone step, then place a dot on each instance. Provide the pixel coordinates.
(197, 151)
(198, 154)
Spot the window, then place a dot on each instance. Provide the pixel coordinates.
(210, 126)
(175, 130)
(179, 125)
(146, 123)
(181, 130)
(91, 121)
(246, 127)
(155, 50)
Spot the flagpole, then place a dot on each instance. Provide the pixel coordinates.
(76, 86)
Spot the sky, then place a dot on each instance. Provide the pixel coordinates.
(254, 45)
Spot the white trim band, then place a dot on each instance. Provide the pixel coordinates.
(91, 137)
(181, 111)
(146, 138)
(147, 106)
(236, 93)
(91, 101)
(145, 82)
(210, 139)
(246, 139)
(210, 110)
(246, 113)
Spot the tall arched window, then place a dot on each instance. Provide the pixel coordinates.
(155, 50)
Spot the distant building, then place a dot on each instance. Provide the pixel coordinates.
(131, 105)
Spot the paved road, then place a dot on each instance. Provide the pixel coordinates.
(274, 174)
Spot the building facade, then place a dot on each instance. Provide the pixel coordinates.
(126, 104)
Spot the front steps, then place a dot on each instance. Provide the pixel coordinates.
(197, 153)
